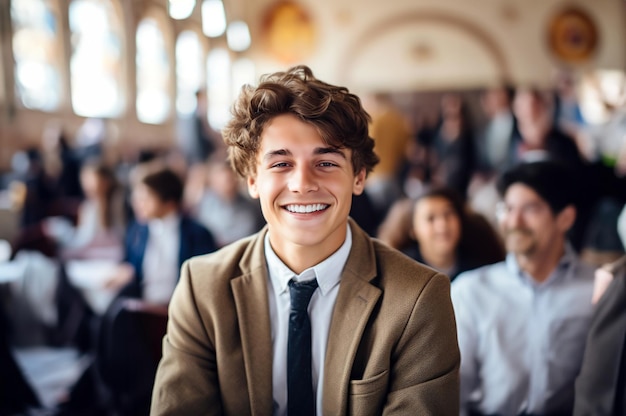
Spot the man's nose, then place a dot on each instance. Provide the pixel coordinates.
(302, 180)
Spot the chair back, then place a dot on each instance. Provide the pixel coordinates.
(16, 394)
(129, 350)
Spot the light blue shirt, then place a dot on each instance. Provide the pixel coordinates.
(522, 342)
(328, 274)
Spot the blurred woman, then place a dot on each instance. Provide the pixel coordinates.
(99, 230)
(448, 237)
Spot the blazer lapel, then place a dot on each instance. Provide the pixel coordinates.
(356, 300)
(251, 300)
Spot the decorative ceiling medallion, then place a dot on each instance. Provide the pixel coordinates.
(289, 34)
(573, 36)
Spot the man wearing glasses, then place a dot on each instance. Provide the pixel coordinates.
(522, 323)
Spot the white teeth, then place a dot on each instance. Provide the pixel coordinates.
(306, 209)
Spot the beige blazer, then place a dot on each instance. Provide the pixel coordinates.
(392, 345)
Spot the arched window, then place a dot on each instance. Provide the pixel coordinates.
(153, 73)
(96, 64)
(218, 86)
(189, 71)
(37, 52)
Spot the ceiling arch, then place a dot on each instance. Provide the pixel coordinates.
(429, 49)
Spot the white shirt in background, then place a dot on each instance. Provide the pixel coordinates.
(160, 261)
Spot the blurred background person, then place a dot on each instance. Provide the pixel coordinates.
(493, 147)
(100, 224)
(160, 239)
(522, 322)
(540, 139)
(61, 164)
(453, 146)
(207, 140)
(395, 228)
(390, 130)
(223, 208)
(499, 130)
(448, 237)
(419, 166)
(568, 115)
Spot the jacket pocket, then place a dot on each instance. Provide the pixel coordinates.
(367, 396)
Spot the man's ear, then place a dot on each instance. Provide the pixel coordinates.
(359, 182)
(565, 219)
(252, 188)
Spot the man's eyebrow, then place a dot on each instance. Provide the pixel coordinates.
(278, 152)
(318, 151)
(331, 150)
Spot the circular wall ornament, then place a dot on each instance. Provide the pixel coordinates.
(572, 36)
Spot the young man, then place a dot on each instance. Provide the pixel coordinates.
(522, 323)
(382, 330)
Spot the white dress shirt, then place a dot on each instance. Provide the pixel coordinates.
(328, 274)
(160, 261)
(522, 342)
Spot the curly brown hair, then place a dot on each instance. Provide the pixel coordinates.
(337, 115)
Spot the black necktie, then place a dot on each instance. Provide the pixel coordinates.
(300, 400)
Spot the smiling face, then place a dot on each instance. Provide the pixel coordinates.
(436, 225)
(529, 226)
(305, 188)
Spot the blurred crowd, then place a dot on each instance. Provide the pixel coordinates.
(93, 233)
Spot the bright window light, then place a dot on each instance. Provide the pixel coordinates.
(238, 36)
(181, 9)
(153, 73)
(213, 18)
(96, 65)
(36, 48)
(219, 87)
(189, 71)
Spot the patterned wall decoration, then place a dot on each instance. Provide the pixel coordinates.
(572, 36)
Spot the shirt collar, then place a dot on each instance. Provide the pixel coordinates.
(568, 258)
(170, 222)
(328, 272)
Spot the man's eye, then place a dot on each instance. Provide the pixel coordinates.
(280, 165)
(327, 164)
